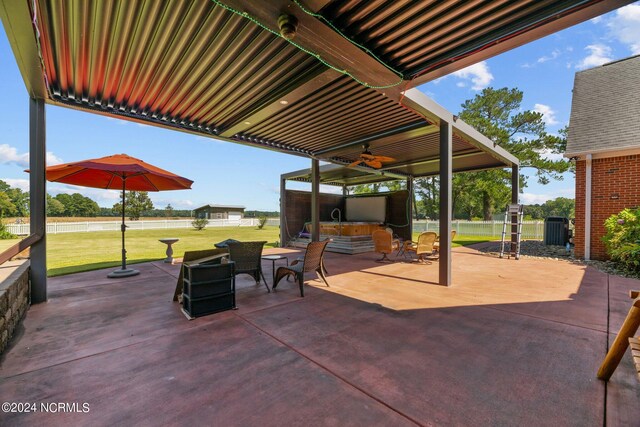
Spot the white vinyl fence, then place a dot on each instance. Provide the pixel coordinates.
(89, 226)
(530, 229)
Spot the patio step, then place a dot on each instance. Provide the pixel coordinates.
(342, 244)
(634, 343)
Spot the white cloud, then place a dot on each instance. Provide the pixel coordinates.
(539, 198)
(596, 20)
(10, 155)
(554, 54)
(161, 203)
(105, 198)
(548, 115)
(22, 184)
(478, 74)
(547, 154)
(533, 199)
(52, 159)
(598, 54)
(625, 26)
(102, 197)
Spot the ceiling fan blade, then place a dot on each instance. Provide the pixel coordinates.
(384, 159)
(356, 163)
(374, 163)
(366, 156)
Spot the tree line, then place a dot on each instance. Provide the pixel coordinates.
(15, 203)
(497, 114)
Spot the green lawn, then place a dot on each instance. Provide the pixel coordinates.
(74, 252)
(6, 244)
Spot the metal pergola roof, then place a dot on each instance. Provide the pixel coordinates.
(340, 175)
(200, 67)
(219, 68)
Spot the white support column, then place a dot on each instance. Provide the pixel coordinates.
(38, 199)
(587, 208)
(315, 200)
(446, 207)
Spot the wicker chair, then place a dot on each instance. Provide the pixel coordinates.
(423, 247)
(436, 244)
(247, 256)
(313, 261)
(384, 244)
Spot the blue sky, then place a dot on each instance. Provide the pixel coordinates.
(227, 173)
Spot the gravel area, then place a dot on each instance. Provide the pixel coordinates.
(536, 249)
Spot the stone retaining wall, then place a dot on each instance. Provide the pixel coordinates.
(14, 298)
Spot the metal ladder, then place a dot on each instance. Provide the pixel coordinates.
(513, 209)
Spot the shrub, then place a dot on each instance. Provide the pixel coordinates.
(262, 221)
(4, 233)
(623, 239)
(199, 223)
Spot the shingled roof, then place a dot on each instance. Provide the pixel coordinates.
(605, 110)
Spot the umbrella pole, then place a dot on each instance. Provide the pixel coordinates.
(124, 271)
(123, 227)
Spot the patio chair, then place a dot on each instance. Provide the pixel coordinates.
(436, 244)
(385, 244)
(205, 255)
(313, 261)
(247, 257)
(424, 245)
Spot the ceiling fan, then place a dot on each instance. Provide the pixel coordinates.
(370, 160)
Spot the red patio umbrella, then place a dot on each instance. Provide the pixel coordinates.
(120, 172)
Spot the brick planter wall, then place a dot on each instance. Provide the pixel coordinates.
(615, 185)
(14, 301)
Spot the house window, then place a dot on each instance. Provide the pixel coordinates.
(218, 215)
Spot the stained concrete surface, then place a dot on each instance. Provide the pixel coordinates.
(510, 343)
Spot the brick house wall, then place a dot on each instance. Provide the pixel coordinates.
(615, 185)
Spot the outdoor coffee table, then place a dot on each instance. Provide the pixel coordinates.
(273, 259)
(169, 242)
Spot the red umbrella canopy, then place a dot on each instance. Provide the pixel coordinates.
(109, 172)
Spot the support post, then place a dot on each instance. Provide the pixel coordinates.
(38, 199)
(446, 173)
(410, 206)
(344, 191)
(515, 192)
(315, 200)
(587, 207)
(284, 236)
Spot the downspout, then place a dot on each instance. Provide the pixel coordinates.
(587, 209)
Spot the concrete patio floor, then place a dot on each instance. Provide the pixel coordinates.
(510, 343)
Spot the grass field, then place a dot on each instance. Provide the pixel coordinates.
(74, 252)
(25, 220)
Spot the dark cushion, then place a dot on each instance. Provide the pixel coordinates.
(225, 243)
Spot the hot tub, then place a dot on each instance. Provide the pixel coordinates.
(348, 228)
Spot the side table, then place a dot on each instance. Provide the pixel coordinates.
(273, 259)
